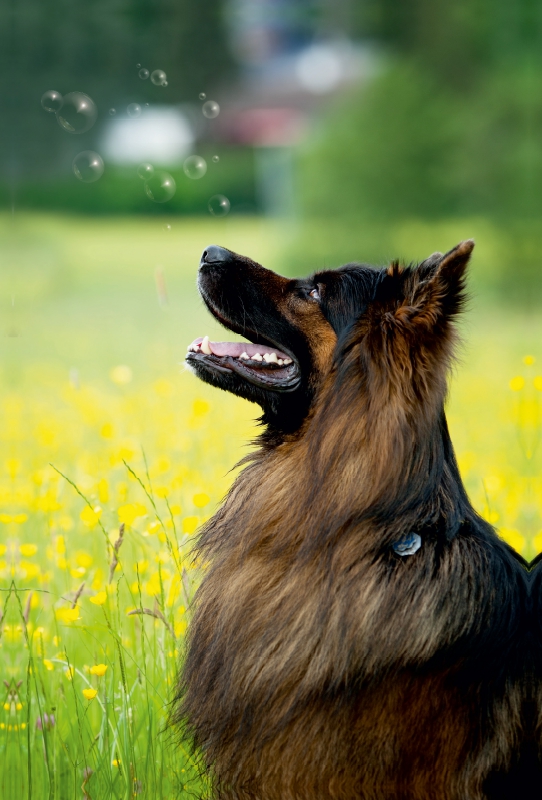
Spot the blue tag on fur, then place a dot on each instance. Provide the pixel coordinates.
(407, 544)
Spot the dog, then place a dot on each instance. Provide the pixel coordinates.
(359, 628)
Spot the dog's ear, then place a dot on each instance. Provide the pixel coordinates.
(434, 292)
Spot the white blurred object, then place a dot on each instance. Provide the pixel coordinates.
(162, 135)
(320, 68)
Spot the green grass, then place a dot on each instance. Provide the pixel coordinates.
(92, 384)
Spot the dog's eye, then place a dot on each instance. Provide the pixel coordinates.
(315, 294)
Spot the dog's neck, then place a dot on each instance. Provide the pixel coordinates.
(398, 468)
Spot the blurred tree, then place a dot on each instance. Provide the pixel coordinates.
(93, 46)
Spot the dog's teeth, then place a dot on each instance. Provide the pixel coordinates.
(273, 358)
(267, 357)
(257, 357)
(244, 355)
(205, 346)
(287, 360)
(281, 362)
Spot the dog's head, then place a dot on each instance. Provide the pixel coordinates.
(297, 328)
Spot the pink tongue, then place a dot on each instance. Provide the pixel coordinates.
(235, 349)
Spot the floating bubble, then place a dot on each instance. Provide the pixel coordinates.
(52, 101)
(158, 77)
(88, 166)
(143, 74)
(147, 105)
(167, 228)
(210, 109)
(165, 83)
(219, 205)
(112, 112)
(195, 167)
(160, 187)
(78, 113)
(202, 96)
(134, 110)
(215, 159)
(137, 66)
(145, 171)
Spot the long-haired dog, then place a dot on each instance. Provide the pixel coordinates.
(359, 629)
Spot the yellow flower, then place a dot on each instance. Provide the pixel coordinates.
(90, 516)
(28, 549)
(107, 431)
(529, 360)
(116, 762)
(201, 499)
(190, 524)
(19, 706)
(99, 599)
(200, 407)
(538, 383)
(83, 559)
(98, 669)
(65, 614)
(130, 512)
(90, 694)
(517, 383)
(48, 664)
(121, 375)
(60, 545)
(69, 673)
(514, 538)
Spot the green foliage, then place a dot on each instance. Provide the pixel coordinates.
(121, 191)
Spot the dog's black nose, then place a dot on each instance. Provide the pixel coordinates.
(215, 255)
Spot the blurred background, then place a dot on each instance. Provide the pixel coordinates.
(304, 133)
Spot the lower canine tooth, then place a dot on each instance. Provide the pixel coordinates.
(205, 346)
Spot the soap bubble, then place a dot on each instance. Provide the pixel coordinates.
(137, 66)
(158, 77)
(134, 110)
(195, 167)
(143, 74)
(88, 166)
(210, 109)
(112, 112)
(167, 228)
(202, 96)
(78, 113)
(219, 205)
(215, 159)
(160, 187)
(147, 105)
(145, 171)
(165, 83)
(52, 101)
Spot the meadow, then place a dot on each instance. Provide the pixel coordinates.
(112, 455)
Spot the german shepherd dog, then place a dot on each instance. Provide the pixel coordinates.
(359, 630)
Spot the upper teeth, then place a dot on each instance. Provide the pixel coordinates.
(269, 358)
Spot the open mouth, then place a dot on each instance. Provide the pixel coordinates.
(263, 365)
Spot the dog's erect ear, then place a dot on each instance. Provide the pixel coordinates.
(435, 291)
